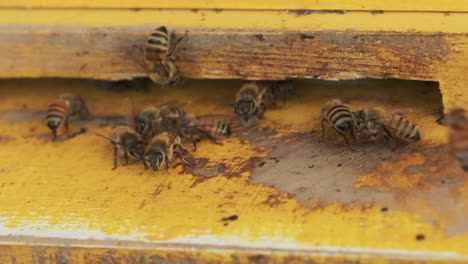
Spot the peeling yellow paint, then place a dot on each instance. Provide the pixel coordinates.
(68, 187)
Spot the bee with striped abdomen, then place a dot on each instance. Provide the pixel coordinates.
(252, 100)
(161, 149)
(66, 107)
(375, 121)
(457, 119)
(190, 127)
(339, 117)
(214, 127)
(160, 54)
(127, 143)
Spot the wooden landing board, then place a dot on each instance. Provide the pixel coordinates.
(276, 192)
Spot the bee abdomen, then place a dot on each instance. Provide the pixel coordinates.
(221, 129)
(56, 112)
(340, 117)
(157, 45)
(403, 129)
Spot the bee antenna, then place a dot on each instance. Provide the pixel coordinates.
(111, 140)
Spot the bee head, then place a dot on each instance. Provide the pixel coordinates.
(154, 159)
(141, 126)
(53, 124)
(245, 107)
(359, 119)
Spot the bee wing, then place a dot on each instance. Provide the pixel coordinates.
(137, 59)
(209, 125)
(128, 110)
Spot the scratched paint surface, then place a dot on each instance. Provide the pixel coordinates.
(67, 189)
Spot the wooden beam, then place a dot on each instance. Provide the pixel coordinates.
(116, 53)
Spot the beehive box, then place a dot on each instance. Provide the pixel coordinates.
(276, 192)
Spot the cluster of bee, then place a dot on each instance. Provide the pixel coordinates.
(373, 122)
(153, 136)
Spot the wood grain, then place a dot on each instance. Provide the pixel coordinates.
(114, 53)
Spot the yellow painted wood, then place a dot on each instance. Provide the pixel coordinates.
(446, 70)
(398, 5)
(67, 189)
(240, 19)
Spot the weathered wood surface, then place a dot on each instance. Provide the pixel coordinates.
(116, 53)
(415, 5)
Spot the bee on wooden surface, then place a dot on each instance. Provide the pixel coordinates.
(173, 118)
(339, 117)
(126, 143)
(161, 149)
(252, 100)
(375, 121)
(161, 53)
(66, 107)
(457, 120)
(284, 89)
(190, 127)
(146, 123)
(214, 127)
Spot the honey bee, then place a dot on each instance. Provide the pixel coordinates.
(284, 89)
(160, 56)
(213, 127)
(190, 127)
(173, 118)
(375, 121)
(146, 123)
(161, 149)
(252, 100)
(126, 142)
(457, 120)
(66, 107)
(339, 117)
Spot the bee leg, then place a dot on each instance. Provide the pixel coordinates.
(214, 140)
(65, 125)
(344, 136)
(323, 126)
(167, 164)
(116, 152)
(194, 142)
(126, 158)
(54, 135)
(261, 110)
(353, 135)
(146, 165)
(181, 157)
(391, 141)
(389, 138)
